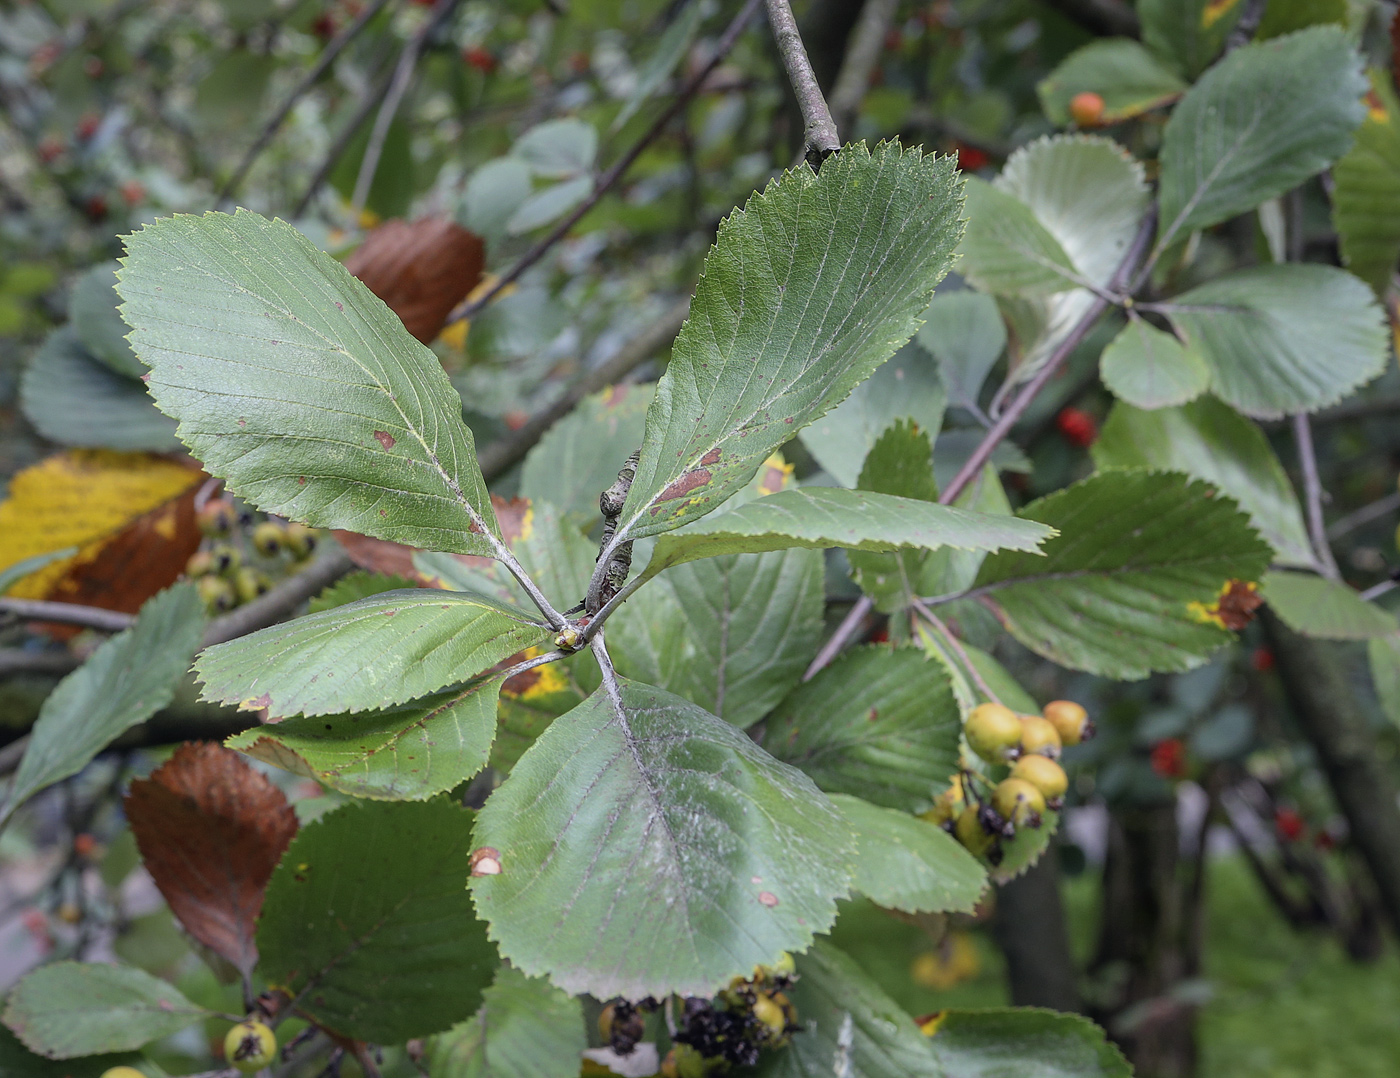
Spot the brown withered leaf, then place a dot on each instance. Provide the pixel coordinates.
(421, 270)
(1238, 603)
(396, 559)
(211, 830)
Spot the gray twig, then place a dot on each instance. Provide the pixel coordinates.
(820, 139)
(1379, 508)
(847, 629)
(605, 182)
(342, 142)
(1312, 497)
(328, 55)
(90, 617)
(953, 642)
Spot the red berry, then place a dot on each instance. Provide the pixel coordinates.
(323, 26)
(516, 419)
(1289, 825)
(84, 844)
(133, 192)
(479, 58)
(1169, 758)
(88, 125)
(1262, 659)
(880, 636)
(50, 149)
(1077, 427)
(93, 67)
(970, 158)
(1086, 109)
(96, 207)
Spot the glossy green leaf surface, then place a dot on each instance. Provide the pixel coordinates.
(1285, 338)
(368, 911)
(1329, 609)
(1210, 440)
(811, 286)
(124, 682)
(298, 385)
(69, 1009)
(648, 847)
(407, 753)
(1188, 34)
(526, 1028)
(1024, 1041)
(878, 723)
(1127, 76)
(1366, 196)
(373, 653)
(1258, 123)
(1129, 585)
(1150, 368)
(905, 863)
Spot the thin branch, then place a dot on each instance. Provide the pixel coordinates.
(819, 136)
(605, 182)
(1375, 591)
(23, 661)
(1379, 508)
(530, 664)
(271, 607)
(398, 86)
(953, 642)
(1312, 497)
(867, 41)
(847, 629)
(328, 55)
(90, 617)
(501, 454)
(341, 143)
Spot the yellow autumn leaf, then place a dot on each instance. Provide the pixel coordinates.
(82, 498)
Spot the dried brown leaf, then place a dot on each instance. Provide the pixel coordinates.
(421, 270)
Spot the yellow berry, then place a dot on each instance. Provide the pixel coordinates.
(992, 730)
(217, 517)
(1039, 737)
(300, 540)
(770, 1015)
(971, 833)
(249, 584)
(268, 539)
(250, 1046)
(122, 1072)
(1018, 802)
(217, 593)
(1044, 774)
(1070, 720)
(947, 805)
(226, 558)
(201, 563)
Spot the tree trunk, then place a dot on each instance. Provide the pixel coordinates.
(1029, 926)
(1333, 720)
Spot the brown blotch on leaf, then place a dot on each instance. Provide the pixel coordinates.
(384, 438)
(691, 480)
(211, 830)
(421, 270)
(768, 898)
(486, 861)
(1238, 605)
(712, 457)
(511, 516)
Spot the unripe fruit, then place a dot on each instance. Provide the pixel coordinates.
(1045, 775)
(300, 540)
(770, 1015)
(249, 584)
(1086, 109)
(1018, 802)
(226, 558)
(250, 1046)
(1070, 720)
(268, 539)
(992, 730)
(970, 832)
(947, 805)
(201, 563)
(216, 592)
(122, 1072)
(217, 517)
(1039, 737)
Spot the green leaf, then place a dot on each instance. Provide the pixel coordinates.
(1286, 338)
(905, 863)
(526, 1028)
(850, 1027)
(673, 45)
(579, 457)
(373, 653)
(548, 204)
(124, 682)
(1026, 1042)
(391, 191)
(493, 194)
(367, 915)
(558, 149)
(17, 1061)
(949, 569)
(406, 753)
(74, 400)
(1127, 76)
(647, 847)
(907, 386)
(355, 586)
(1366, 195)
(1188, 33)
(963, 330)
(1129, 585)
(900, 464)
(1383, 653)
(298, 385)
(69, 1009)
(1257, 124)
(1151, 369)
(830, 516)
(1285, 16)
(92, 310)
(809, 288)
(1006, 250)
(1210, 440)
(879, 723)
(1090, 194)
(1329, 609)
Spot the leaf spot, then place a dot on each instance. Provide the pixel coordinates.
(384, 438)
(696, 477)
(486, 861)
(768, 898)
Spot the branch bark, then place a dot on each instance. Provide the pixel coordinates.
(820, 139)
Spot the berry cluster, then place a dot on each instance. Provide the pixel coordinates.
(748, 1016)
(1023, 749)
(233, 562)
